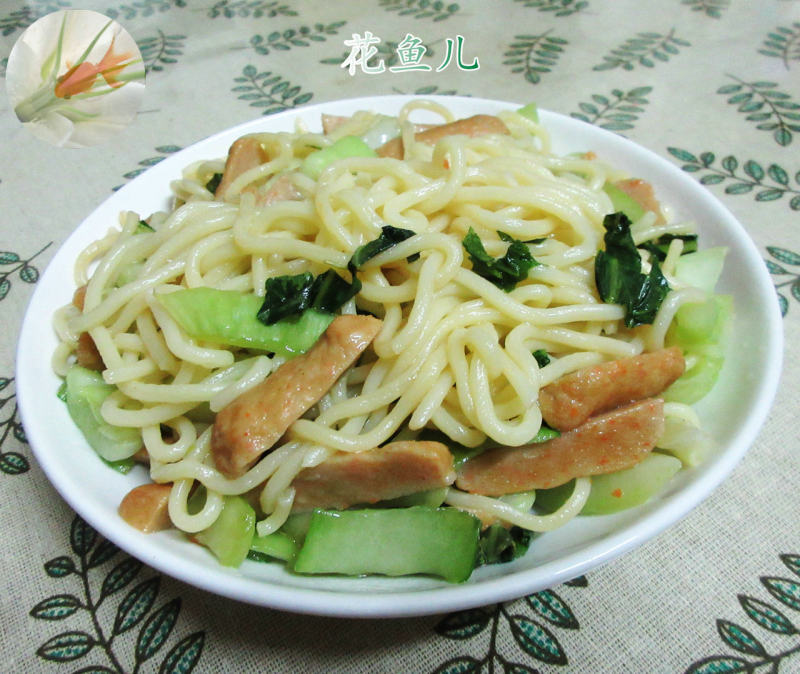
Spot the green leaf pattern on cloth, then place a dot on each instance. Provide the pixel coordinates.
(786, 259)
(533, 631)
(15, 267)
(20, 19)
(160, 50)
(163, 152)
(256, 9)
(783, 43)
(303, 36)
(764, 103)
(269, 91)
(712, 8)
(617, 112)
(645, 49)
(534, 55)
(435, 10)
(742, 177)
(92, 627)
(557, 7)
(767, 616)
(13, 441)
(432, 90)
(142, 8)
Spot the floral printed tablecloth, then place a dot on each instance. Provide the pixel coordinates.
(711, 85)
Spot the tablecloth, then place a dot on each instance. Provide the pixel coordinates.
(713, 86)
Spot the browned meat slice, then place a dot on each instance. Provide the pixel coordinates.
(244, 154)
(478, 125)
(86, 351)
(142, 456)
(396, 469)
(147, 507)
(604, 444)
(282, 189)
(642, 193)
(78, 297)
(571, 400)
(253, 422)
(332, 122)
(87, 354)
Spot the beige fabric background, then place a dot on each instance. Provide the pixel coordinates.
(654, 610)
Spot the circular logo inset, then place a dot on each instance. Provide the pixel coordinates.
(75, 78)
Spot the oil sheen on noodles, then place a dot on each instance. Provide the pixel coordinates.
(454, 353)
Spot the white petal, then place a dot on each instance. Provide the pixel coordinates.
(42, 36)
(82, 27)
(54, 128)
(22, 72)
(89, 134)
(122, 104)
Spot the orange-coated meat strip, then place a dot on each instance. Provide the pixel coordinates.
(244, 154)
(332, 122)
(87, 354)
(147, 507)
(282, 189)
(86, 351)
(396, 469)
(249, 425)
(477, 125)
(604, 444)
(642, 193)
(571, 400)
(79, 296)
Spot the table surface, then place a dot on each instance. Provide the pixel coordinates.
(713, 86)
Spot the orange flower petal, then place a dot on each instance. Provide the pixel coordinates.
(81, 78)
(76, 80)
(111, 64)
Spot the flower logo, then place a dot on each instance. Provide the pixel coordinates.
(75, 78)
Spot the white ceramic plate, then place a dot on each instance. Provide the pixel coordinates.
(733, 412)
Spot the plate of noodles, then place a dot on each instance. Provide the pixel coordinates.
(391, 356)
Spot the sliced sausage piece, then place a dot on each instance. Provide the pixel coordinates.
(642, 193)
(571, 400)
(85, 350)
(78, 297)
(87, 354)
(604, 444)
(478, 125)
(244, 154)
(147, 507)
(282, 189)
(332, 122)
(396, 469)
(142, 456)
(253, 422)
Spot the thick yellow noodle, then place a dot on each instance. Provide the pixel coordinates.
(455, 351)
